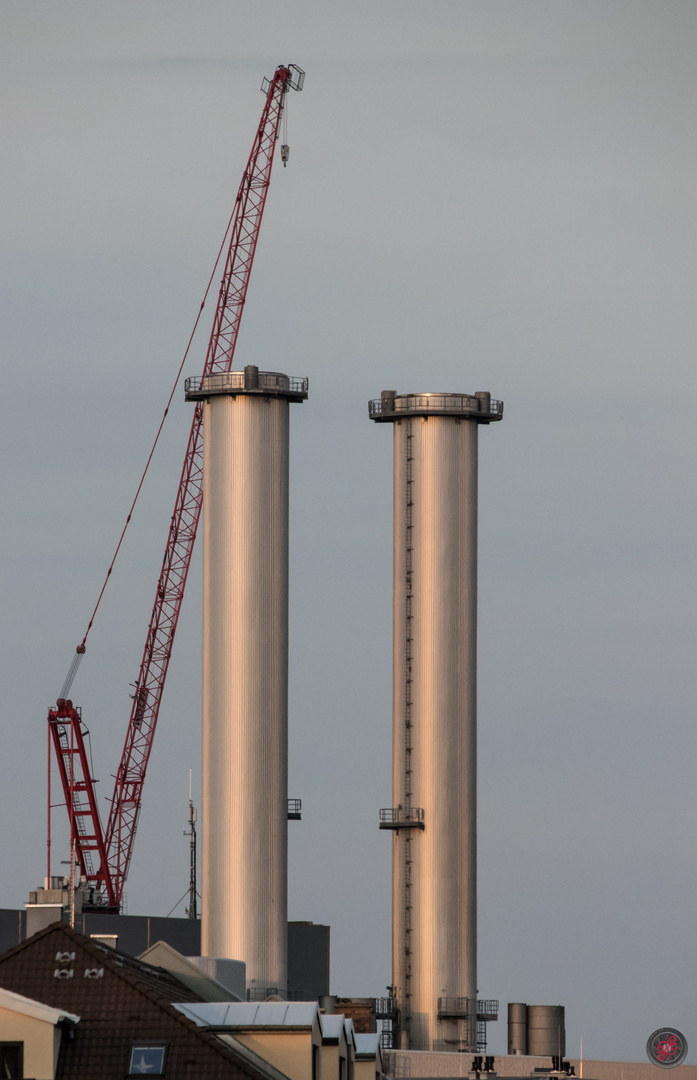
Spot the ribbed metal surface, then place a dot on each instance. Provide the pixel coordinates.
(546, 1030)
(517, 1027)
(434, 767)
(245, 684)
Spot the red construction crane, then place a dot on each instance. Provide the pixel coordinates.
(103, 856)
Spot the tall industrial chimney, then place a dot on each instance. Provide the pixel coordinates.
(245, 670)
(433, 817)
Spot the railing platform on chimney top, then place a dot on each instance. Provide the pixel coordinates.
(249, 381)
(391, 407)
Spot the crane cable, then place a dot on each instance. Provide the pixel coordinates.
(81, 648)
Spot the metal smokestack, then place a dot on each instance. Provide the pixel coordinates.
(245, 669)
(433, 817)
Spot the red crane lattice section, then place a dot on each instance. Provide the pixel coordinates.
(65, 727)
(115, 850)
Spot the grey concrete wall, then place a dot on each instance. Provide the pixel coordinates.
(308, 960)
(12, 928)
(308, 943)
(419, 1065)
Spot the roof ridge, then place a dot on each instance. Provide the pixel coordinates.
(43, 932)
(101, 953)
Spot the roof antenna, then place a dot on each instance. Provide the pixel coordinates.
(191, 833)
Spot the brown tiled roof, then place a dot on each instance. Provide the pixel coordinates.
(129, 1002)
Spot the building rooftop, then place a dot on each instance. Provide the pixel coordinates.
(36, 1009)
(247, 1014)
(332, 1025)
(125, 1006)
(367, 1044)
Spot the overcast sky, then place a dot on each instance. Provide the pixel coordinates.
(481, 194)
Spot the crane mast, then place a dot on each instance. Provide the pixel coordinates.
(104, 856)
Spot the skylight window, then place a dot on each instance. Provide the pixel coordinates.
(147, 1061)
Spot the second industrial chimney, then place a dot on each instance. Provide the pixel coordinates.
(245, 670)
(433, 816)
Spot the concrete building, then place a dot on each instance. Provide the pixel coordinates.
(287, 1035)
(433, 816)
(418, 1065)
(30, 1036)
(337, 1062)
(368, 1057)
(308, 943)
(71, 1008)
(229, 985)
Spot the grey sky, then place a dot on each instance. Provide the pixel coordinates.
(480, 196)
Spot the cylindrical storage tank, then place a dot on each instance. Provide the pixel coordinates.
(434, 887)
(245, 672)
(546, 1031)
(517, 1027)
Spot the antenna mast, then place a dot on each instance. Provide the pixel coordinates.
(193, 912)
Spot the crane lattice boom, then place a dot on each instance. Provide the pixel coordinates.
(114, 848)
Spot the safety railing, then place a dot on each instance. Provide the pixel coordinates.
(460, 404)
(263, 382)
(401, 817)
(456, 1007)
(386, 1009)
(261, 993)
(386, 1037)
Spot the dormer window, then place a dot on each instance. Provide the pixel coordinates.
(147, 1059)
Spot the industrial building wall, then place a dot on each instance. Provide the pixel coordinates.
(416, 1065)
(308, 943)
(308, 961)
(12, 928)
(135, 933)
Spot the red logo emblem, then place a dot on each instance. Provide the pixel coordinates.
(666, 1048)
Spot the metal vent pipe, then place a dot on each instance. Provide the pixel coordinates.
(517, 1027)
(546, 1031)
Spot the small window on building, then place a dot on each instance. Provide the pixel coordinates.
(147, 1060)
(12, 1060)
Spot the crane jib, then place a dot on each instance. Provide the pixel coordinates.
(104, 858)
